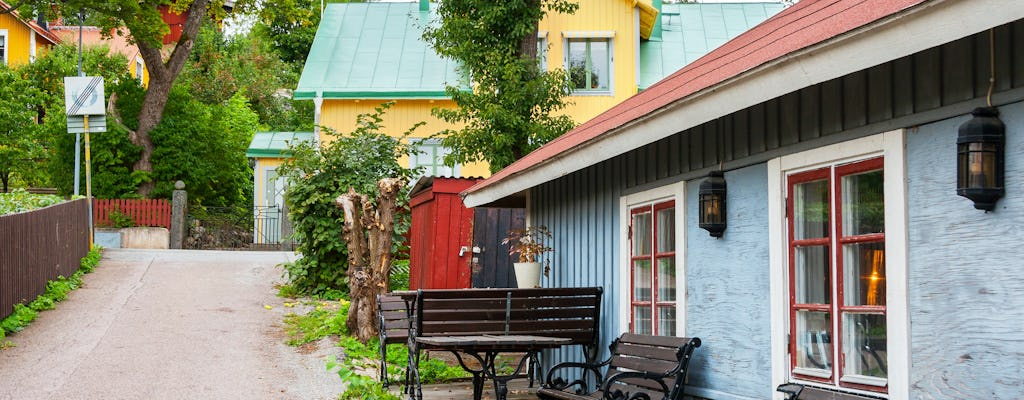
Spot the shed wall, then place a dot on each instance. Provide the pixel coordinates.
(967, 315)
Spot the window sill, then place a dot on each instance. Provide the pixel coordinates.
(595, 93)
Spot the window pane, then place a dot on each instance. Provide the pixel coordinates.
(642, 280)
(813, 279)
(863, 205)
(578, 64)
(810, 209)
(813, 340)
(666, 321)
(864, 345)
(666, 279)
(864, 274)
(666, 230)
(642, 234)
(599, 64)
(642, 320)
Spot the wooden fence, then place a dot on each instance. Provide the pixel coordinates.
(38, 246)
(144, 212)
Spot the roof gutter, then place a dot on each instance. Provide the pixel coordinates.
(907, 32)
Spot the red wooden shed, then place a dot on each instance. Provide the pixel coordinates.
(440, 240)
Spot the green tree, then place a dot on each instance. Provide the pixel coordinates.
(289, 26)
(510, 110)
(21, 144)
(221, 67)
(142, 23)
(317, 175)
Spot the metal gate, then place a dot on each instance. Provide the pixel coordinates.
(266, 225)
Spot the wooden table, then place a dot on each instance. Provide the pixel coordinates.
(485, 350)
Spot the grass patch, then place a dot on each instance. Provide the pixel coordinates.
(56, 291)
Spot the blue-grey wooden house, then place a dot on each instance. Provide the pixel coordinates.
(849, 262)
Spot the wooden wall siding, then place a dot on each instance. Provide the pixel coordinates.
(727, 292)
(933, 84)
(967, 334)
(582, 212)
(38, 246)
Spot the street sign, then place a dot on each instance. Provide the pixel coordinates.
(83, 95)
(97, 123)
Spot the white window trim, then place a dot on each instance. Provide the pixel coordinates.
(4, 35)
(677, 192)
(416, 142)
(892, 146)
(140, 69)
(31, 48)
(608, 36)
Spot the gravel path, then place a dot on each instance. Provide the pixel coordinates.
(168, 324)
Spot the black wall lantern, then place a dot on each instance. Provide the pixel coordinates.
(712, 204)
(979, 161)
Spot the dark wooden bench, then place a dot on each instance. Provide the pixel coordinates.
(640, 367)
(567, 313)
(796, 391)
(393, 328)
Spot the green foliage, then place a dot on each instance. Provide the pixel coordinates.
(119, 219)
(204, 146)
(288, 27)
(399, 278)
(317, 176)
(509, 111)
(56, 291)
(19, 200)
(326, 319)
(22, 143)
(222, 67)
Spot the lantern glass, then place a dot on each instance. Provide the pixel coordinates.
(976, 165)
(711, 208)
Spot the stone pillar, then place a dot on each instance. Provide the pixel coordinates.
(179, 207)
(286, 228)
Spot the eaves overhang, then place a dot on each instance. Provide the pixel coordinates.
(650, 117)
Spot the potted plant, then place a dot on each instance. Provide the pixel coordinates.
(528, 244)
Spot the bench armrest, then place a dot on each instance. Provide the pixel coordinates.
(609, 394)
(559, 383)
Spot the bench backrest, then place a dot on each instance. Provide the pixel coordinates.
(662, 355)
(394, 320)
(572, 313)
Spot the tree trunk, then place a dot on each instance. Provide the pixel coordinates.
(161, 78)
(368, 232)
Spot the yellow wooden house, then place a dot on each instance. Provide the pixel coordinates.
(368, 53)
(21, 40)
(365, 54)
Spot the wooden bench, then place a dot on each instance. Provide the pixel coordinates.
(393, 328)
(572, 314)
(640, 367)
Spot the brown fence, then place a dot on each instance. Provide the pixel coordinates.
(144, 212)
(38, 246)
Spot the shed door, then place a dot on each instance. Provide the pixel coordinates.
(492, 266)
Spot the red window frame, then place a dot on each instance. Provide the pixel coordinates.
(833, 242)
(655, 303)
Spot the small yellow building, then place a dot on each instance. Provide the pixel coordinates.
(21, 40)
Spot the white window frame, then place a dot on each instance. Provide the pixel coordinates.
(542, 50)
(4, 47)
(416, 143)
(140, 69)
(676, 192)
(892, 146)
(607, 37)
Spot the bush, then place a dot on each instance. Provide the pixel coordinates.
(317, 176)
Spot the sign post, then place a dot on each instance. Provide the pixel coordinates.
(83, 97)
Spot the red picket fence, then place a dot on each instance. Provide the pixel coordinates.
(145, 212)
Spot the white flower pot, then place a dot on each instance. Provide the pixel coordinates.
(527, 274)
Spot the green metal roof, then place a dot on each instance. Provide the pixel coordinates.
(691, 30)
(275, 144)
(374, 50)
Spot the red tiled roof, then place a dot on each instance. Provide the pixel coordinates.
(50, 36)
(800, 26)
